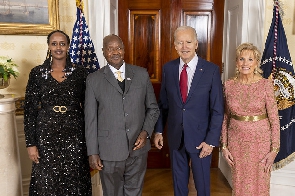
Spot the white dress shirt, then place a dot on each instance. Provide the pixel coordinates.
(190, 69)
(122, 70)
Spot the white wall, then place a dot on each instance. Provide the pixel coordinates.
(103, 20)
(282, 181)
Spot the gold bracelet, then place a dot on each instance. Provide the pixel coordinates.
(276, 150)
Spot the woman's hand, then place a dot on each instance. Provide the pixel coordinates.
(268, 161)
(228, 157)
(33, 153)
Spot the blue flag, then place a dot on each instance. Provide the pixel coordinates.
(82, 49)
(276, 63)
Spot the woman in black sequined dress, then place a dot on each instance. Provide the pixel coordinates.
(54, 123)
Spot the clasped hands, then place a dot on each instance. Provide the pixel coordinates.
(96, 163)
(206, 148)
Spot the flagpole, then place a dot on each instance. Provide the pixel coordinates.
(80, 4)
(274, 71)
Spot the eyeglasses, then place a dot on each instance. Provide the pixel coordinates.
(118, 49)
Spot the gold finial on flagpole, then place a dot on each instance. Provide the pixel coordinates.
(80, 4)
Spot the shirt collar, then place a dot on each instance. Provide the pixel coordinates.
(114, 70)
(192, 64)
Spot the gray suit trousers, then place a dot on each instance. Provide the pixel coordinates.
(124, 178)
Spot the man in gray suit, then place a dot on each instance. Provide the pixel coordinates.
(120, 113)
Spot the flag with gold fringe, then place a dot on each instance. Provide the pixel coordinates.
(82, 49)
(276, 64)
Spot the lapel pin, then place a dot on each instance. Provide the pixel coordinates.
(128, 78)
(201, 69)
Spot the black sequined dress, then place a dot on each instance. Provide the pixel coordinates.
(63, 167)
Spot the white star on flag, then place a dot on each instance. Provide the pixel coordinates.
(81, 47)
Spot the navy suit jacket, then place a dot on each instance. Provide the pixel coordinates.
(200, 117)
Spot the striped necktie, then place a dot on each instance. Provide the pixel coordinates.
(119, 76)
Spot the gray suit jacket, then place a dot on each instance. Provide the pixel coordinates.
(115, 119)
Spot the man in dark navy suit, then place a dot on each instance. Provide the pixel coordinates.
(191, 101)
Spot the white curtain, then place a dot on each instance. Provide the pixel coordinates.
(99, 26)
(102, 21)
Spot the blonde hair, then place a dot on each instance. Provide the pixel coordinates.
(250, 47)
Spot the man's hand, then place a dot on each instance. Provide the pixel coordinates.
(33, 153)
(158, 141)
(206, 149)
(141, 140)
(95, 162)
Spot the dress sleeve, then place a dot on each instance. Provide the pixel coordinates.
(32, 99)
(273, 116)
(83, 75)
(225, 121)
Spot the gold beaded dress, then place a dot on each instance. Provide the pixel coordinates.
(63, 167)
(250, 141)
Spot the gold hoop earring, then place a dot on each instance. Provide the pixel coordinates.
(255, 71)
(237, 71)
(48, 54)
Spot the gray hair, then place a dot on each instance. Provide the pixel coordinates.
(181, 28)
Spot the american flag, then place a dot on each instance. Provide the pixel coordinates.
(276, 64)
(82, 49)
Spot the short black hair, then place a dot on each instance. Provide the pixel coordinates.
(111, 37)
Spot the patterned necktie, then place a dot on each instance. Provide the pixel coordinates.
(183, 83)
(119, 76)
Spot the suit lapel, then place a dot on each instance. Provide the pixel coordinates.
(109, 76)
(197, 76)
(128, 77)
(175, 71)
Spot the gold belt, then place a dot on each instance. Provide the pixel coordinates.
(249, 118)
